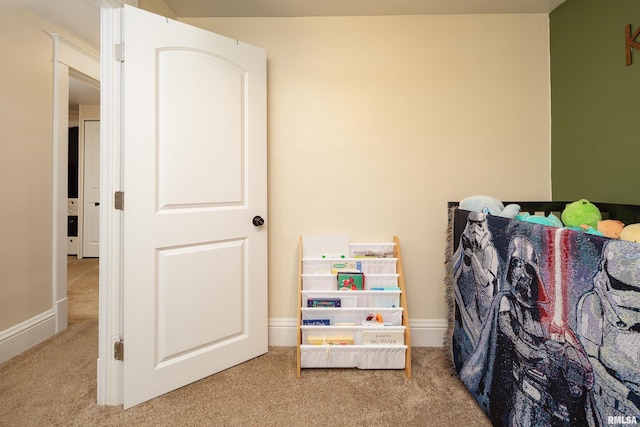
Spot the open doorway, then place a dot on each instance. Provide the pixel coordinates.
(83, 169)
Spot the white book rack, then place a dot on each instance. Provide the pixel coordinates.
(366, 328)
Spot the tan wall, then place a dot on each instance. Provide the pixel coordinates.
(89, 112)
(25, 169)
(376, 122)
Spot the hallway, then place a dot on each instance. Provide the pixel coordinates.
(82, 289)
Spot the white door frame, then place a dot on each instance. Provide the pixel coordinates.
(70, 55)
(66, 55)
(110, 371)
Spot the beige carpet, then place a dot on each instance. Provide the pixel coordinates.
(54, 384)
(82, 289)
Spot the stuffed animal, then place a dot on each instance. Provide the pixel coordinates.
(610, 228)
(588, 229)
(631, 233)
(490, 205)
(550, 220)
(581, 212)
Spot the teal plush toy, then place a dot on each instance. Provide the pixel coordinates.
(550, 220)
(489, 205)
(580, 213)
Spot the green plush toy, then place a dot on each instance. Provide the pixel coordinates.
(581, 212)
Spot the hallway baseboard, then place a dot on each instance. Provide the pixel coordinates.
(22, 336)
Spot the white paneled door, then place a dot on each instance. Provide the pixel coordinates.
(91, 190)
(194, 180)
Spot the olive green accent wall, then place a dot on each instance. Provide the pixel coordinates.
(595, 102)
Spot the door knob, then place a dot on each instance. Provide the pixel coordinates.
(96, 204)
(258, 221)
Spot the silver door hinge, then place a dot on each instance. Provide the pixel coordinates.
(118, 350)
(119, 52)
(118, 200)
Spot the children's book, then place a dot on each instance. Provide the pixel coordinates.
(351, 281)
(323, 302)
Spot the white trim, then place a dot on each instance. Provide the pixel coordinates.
(66, 54)
(60, 107)
(283, 332)
(114, 4)
(61, 308)
(77, 57)
(427, 332)
(110, 371)
(22, 336)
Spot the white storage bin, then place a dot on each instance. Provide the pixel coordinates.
(345, 331)
(393, 316)
(381, 299)
(328, 282)
(380, 250)
(317, 266)
(319, 282)
(380, 281)
(372, 299)
(378, 265)
(367, 265)
(352, 356)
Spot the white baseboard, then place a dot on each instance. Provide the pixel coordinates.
(62, 314)
(427, 332)
(283, 332)
(20, 337)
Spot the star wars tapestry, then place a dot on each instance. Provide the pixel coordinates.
(544, 322)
